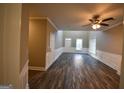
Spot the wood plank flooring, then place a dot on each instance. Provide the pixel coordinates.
(76, 71)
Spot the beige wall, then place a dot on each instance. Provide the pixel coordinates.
(11, 44)
(24, 37)
(37, 42)
(24, 47)
(110, 40)
(1, 41)
(122, 65)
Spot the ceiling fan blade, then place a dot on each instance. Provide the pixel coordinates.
(107, 19)
(91, 20)
(104, 24)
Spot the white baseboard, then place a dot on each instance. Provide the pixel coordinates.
(110, 59)
(27, 86)
(73, 50)
(6, 87)
(36, 68)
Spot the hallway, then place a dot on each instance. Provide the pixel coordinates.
(76, 71)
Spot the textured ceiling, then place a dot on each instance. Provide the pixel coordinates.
(73, 16)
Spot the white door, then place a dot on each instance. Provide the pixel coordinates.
(67, 42)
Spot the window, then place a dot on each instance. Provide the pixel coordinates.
(79, 43)
(92, 46)
(67, 42)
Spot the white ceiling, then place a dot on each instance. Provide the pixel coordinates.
(73, 16)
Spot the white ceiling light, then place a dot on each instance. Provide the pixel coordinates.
(96, 26)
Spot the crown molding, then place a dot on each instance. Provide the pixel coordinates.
(47, 18)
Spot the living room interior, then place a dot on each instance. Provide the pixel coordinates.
(61, 46)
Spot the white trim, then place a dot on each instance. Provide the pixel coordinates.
(24, 69)
(58, 52)
(52, 56)
(6, 86)
(73, 50)
(52, 23)
(110, 59)
(47, 18)
(27, 86)
(36, 68)
(24, 76)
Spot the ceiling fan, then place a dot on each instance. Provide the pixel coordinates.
(96, 22)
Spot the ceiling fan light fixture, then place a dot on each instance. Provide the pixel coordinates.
(96, 26)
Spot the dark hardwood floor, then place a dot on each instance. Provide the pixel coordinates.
(76, 71)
